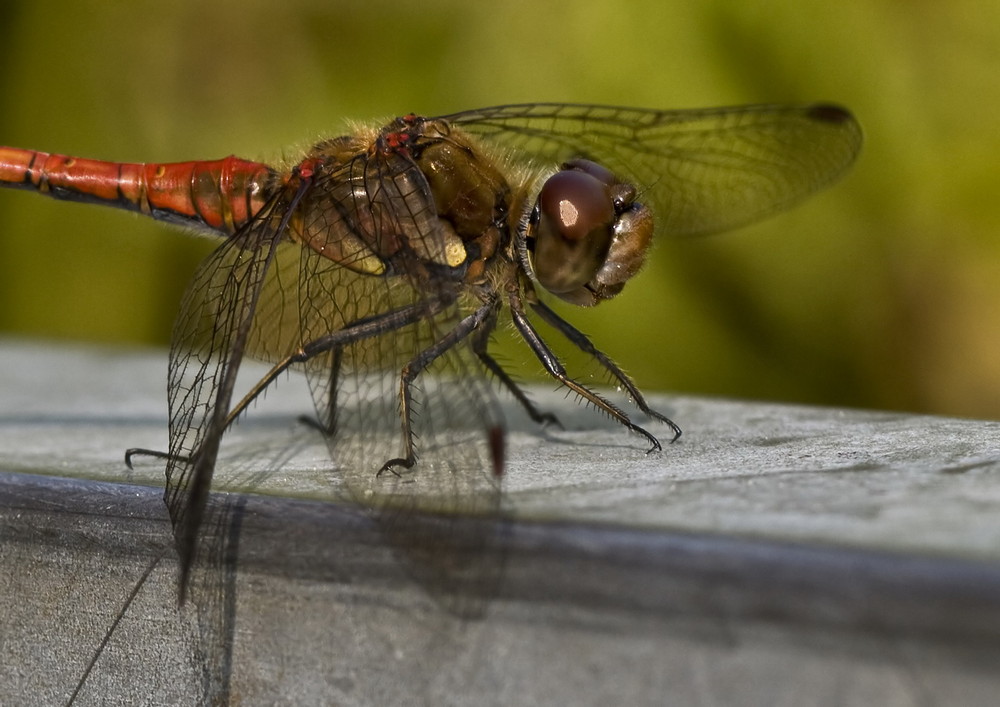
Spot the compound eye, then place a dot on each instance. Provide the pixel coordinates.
(597, 171)
(575, 227)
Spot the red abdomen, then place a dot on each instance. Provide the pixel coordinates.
(220, 195)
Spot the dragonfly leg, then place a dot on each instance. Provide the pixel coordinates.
(326, 420)
(361, 329)
(238, 410)
(580, 340)
(419, 362)
(480, 343)
(143, 452)
(555, 369)
(335, 341)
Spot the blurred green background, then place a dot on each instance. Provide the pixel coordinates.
(882, 292)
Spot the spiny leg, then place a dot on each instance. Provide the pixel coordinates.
(555, 369)
(365, 328)
(419, 362)
(480, 342)
(240, 407)
(580, 340)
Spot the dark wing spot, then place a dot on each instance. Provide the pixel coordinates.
(829, 113)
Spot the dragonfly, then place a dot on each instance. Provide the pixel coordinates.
(382, 261)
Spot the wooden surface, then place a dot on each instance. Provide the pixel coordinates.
(775, 555)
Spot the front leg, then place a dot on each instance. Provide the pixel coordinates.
(580, 340)
(480, 343)
(555, 369)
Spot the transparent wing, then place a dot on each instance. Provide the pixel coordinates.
(704, 170)
(208, 345)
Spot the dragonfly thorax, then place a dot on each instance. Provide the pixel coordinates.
(422, 201)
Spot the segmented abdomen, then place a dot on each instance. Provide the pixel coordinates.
(219, 195)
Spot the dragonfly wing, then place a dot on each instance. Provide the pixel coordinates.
(704, 170)
(208, 345)
(276, 330)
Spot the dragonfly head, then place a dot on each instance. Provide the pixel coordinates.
(586, 235)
